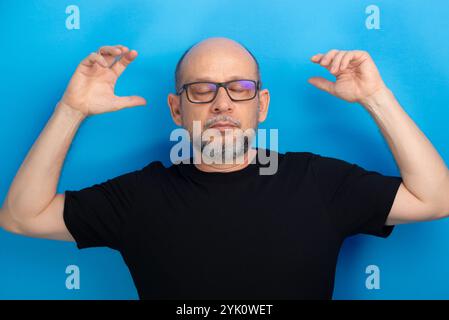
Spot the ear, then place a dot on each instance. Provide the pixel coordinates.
(174, 103)
(264, 102)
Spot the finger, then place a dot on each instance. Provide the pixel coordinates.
(112, 53)
(358, 56)
(122, 48)
(317, 58)
(335, 66)
(346, 60)
(129, 101)
(120, 65)
(322, 84)
(90, 60)
(110, 50)
(328, 57)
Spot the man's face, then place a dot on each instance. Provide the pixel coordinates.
(218, 61)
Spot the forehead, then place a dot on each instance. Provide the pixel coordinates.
(219, 63)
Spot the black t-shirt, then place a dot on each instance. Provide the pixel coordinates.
(189, 234)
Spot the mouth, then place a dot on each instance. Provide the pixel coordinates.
(223, 125)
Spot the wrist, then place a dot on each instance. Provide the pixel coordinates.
(70, 111)
(377, 98)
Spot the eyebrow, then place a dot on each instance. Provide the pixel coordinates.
(208, 79)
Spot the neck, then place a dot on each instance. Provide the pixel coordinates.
(226, 167)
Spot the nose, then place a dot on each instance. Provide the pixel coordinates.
(222, 102)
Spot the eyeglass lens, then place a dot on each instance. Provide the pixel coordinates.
(205, 91)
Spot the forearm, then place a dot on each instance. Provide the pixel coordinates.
(422, 169)
(35, 183)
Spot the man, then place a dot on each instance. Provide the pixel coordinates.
(222, 230)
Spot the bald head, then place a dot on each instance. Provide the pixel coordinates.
(216, 59)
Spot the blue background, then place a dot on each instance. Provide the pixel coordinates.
(38, 56)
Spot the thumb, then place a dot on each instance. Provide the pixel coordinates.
(322, 84)
(129, 101)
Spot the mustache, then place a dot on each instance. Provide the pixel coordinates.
(221, 118)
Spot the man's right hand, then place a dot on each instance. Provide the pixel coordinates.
(91, 88)
(31, 206)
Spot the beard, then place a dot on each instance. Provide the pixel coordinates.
(225, 152)
(224, 147)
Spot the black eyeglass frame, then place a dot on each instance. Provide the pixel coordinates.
(218, 85)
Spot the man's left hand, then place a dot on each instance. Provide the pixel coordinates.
(357, 77)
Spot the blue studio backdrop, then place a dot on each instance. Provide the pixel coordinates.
(42, 45)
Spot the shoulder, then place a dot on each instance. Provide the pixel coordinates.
(317, 164)
(157, 171)
(319, 160)
(299, 158)
(294, 163)
(312, 157)
(154, 168)
(298, 155)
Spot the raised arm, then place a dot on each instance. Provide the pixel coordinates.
(424, 193)
(32, 206)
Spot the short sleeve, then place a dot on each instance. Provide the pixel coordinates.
(95, 216)
(357, 200)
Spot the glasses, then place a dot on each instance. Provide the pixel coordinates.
(205, 92)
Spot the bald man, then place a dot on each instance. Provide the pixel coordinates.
(222, 230)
